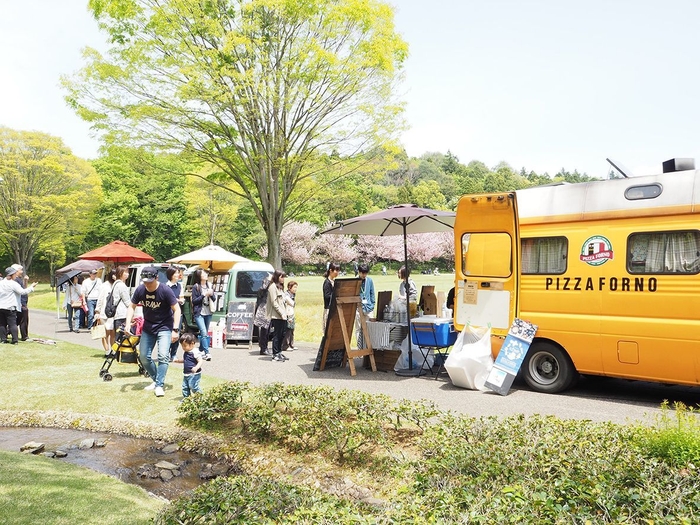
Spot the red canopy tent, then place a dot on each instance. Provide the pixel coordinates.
(117, 252)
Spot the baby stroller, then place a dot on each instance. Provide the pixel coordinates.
(124, 350)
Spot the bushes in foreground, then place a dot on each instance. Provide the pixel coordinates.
(453, 469)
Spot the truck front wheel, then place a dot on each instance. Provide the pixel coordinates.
(548, 368)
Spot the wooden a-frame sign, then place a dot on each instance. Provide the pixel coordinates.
(335, 347)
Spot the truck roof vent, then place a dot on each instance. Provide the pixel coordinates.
(672, 165)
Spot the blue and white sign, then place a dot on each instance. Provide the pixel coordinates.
(510, 357)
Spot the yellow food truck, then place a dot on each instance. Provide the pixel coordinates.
(609, 271)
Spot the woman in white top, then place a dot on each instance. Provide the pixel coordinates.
(121, 297)
(108, 323)
(73, 303)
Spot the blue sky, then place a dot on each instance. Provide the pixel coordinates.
(540, 84)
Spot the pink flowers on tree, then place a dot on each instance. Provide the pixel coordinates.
(300, 244)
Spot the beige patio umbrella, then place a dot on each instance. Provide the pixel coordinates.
(402, 219)
(210, 257)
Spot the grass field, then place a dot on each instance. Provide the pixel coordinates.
(309, 306)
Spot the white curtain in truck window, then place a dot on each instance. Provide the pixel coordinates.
(676, 252)
(544, 255)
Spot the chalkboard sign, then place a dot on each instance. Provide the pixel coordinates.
(239, 320)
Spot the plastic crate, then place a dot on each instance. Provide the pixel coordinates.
(433, 331)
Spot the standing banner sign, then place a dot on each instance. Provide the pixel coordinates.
(510, 358)
(239, 320)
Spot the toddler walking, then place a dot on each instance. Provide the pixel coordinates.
(192, 361)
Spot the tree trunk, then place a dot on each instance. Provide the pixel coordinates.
(274, 257)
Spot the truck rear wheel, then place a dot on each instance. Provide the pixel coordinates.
(548, 368)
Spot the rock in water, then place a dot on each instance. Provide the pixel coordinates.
(86, 444)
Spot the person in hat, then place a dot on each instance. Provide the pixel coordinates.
(161, 314)
(91, 291)
(10, 304)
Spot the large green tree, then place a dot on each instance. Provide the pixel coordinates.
(143, 204)
(47, 195)
(257, 89)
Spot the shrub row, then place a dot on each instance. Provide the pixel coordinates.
(306, 419)
(460, 470)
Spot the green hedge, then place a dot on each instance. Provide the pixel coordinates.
(437, 467)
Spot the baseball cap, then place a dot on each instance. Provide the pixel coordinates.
(18, 267)
(92, 272)
(149, 274)
(10, 270)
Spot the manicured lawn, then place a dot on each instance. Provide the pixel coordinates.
(35, 489)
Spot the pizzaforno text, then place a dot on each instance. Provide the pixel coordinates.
(614, 284)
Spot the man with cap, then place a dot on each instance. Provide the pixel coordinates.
(10, 304)
(91, 291)
(161, 316)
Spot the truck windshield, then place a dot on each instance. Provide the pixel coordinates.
(248, 283)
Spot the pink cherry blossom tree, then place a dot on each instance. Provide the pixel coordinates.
(337, 248)
(299, 242)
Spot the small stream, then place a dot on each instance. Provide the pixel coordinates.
(128, 459)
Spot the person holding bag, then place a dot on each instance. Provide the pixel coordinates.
(277, 313)
(260, 318)
(201, 309)
(174, 276)
(290, 297)
(101, 315)
(74, 303)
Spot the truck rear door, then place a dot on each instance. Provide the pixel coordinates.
(487, 261)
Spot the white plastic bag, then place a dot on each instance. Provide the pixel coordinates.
(469, 362)
(416, 357)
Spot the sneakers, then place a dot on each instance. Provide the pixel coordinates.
(207, 357)
(152, 386)
(267, 351)
(279, 357)
(159, 391)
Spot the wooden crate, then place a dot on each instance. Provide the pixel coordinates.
(384, 359)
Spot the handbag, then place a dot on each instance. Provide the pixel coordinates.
(76, 304)
(98, 331)
(84, 306)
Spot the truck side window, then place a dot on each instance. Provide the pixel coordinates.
(664, 252)
(487, 254)
(544, 255)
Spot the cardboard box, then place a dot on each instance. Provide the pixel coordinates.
(430, 304)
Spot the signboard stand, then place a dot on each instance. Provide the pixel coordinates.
(335, 347)
(510, 357)
(239, 321)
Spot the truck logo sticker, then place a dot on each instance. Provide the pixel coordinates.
(596, 250)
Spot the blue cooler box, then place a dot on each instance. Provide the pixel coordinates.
(433, 331)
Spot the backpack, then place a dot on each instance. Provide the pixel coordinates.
(110, 305)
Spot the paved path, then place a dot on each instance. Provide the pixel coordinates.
(597, 399)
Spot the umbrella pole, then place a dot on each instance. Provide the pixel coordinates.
(410, 371)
